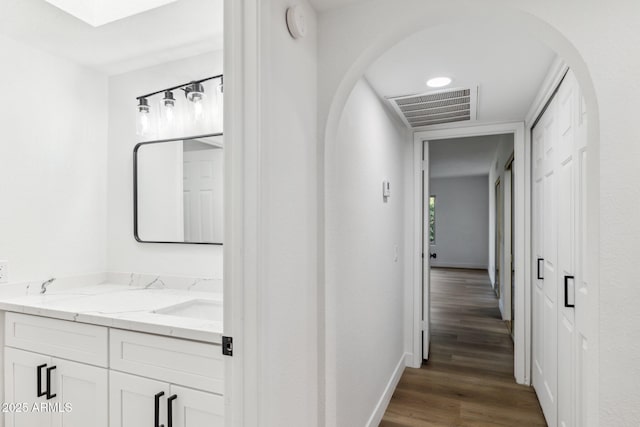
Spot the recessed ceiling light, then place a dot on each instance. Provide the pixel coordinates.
(438, 82)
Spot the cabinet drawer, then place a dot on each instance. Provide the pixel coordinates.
(177, 361)
(60, 338)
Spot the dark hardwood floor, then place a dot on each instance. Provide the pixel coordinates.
(468, 380)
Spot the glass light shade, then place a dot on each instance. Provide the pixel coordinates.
(143, 122)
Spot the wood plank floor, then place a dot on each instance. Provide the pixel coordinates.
(468, 380)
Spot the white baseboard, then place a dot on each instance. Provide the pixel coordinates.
(381, 407)
(446, 264)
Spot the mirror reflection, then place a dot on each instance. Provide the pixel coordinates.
(178, 192)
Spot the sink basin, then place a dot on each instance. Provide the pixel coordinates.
(201, 309)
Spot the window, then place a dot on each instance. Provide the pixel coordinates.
(432, 219)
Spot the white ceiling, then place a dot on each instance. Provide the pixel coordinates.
(463, 156)
(508, 67)
(100, 12)
(170, 32)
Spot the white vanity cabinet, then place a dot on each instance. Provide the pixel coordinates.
(20, 374)
(187, 380)
(49, 391)
(109, 377)
(134, 401)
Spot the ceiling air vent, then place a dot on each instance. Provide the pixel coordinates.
(436, 108)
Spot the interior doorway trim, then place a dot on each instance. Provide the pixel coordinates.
(522, 238)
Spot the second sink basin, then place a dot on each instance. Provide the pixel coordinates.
(201, 309)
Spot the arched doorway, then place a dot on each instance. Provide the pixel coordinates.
(349, 64)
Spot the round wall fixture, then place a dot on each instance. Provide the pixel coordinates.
(296, 22)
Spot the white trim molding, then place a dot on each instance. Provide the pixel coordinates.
(383, 402)
(242, 64)
(522, 238)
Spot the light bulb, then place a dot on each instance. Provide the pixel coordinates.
(168, 103)
(197, 109)
(143, 124)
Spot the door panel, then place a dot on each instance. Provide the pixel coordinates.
(21, 386)
(86, 389)
(131, 400)
(193, 408)
(560, 300)
(426, 258)
(566, 241)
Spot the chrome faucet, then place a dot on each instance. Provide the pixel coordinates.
(43, 286)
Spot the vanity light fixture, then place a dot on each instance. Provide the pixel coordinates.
(168, 102)
(143, 122)
(439, 82)
(143, 105)
(194, 91)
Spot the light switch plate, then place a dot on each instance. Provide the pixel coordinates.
(4, 271)
(386, 189)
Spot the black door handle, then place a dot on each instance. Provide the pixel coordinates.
(170, 400)
(39, 377)
(539, 270)
(433, 255)
(49, 395)
(156, 415)
(566, 291)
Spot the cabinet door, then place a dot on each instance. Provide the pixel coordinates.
(132, 400)
(21, 388)
(82, 394)
(192, 408)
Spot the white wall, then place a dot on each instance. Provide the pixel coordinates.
(461, 222)
(124, 253)
(53, 165)
(503, 152)
(287, 251)
(364, 233)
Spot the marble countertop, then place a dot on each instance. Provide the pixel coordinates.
(122, 307)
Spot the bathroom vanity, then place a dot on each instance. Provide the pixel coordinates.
(113, 355)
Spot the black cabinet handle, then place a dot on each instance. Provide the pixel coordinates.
(39, 377)
(49, 395)
(433, 255)
(156, 422)
(170, 410)
(540, 270)
(566, 291)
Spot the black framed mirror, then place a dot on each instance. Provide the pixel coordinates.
(178, 190)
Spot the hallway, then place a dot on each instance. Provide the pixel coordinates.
(468, 380)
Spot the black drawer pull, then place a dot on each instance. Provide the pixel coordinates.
(170, 410)
(566, 291)
(39, 377)
(540, 277)
(49, 395)
(156, 415)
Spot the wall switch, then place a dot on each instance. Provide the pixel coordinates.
(4, 271)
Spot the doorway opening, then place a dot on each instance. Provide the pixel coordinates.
(420, 325)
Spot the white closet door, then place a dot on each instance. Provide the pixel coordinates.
(582, 295)
(565, 165)
(560, 300)
(537, 365)
(546, 359)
